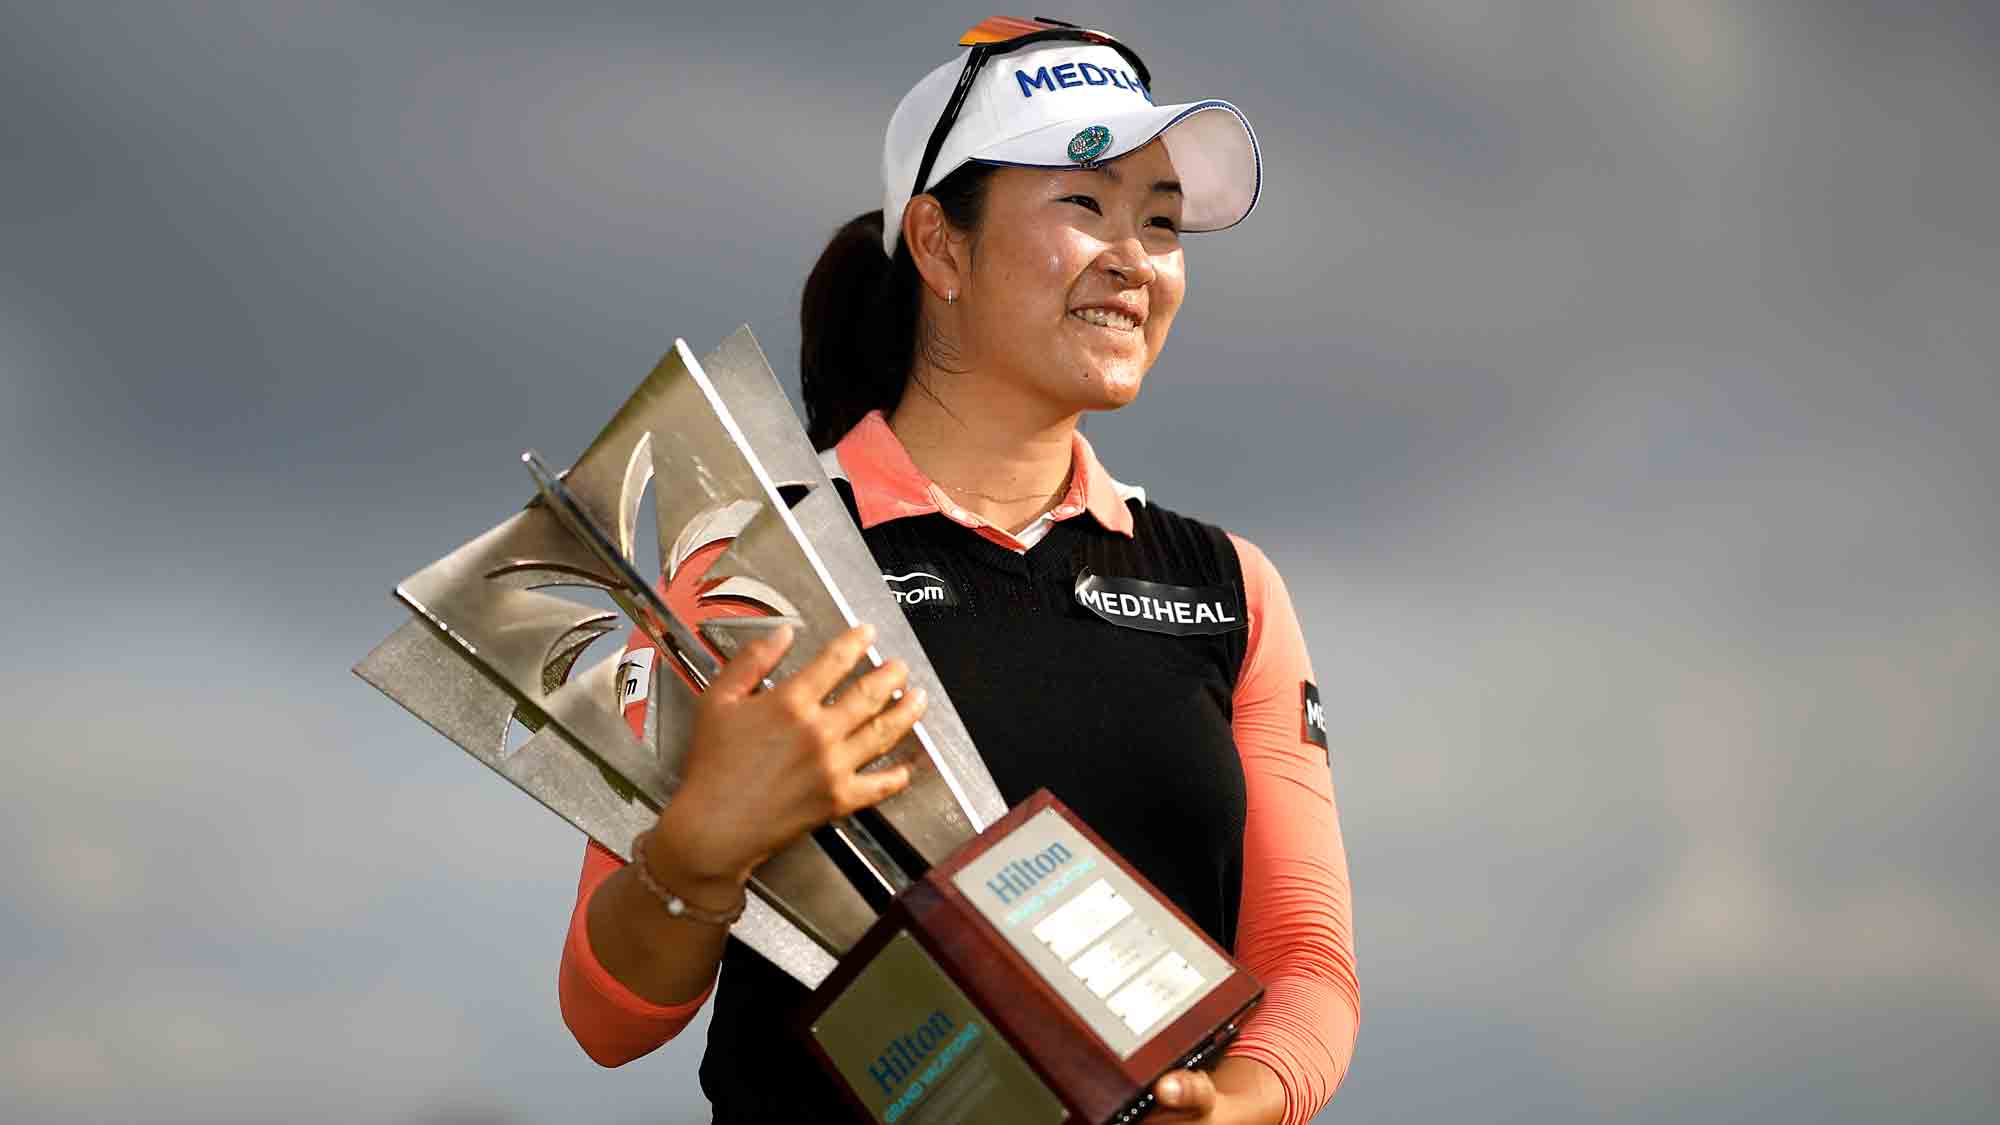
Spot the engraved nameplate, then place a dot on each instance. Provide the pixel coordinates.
(1115, 954)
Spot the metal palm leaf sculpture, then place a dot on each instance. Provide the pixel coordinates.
(493, 641)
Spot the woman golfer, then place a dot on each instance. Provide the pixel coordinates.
(1025, 269)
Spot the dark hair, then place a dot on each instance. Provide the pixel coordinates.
(860, 316)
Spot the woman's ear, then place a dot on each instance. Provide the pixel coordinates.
(937, 250)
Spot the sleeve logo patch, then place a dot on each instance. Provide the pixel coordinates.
(1158, 607)
(635, 676)
(1312, 723)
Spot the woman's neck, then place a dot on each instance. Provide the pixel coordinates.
(1000, 458)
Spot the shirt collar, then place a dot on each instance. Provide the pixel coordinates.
(888, 485)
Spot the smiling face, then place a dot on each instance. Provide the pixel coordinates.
(1074, 280)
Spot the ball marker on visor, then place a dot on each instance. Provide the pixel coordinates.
(1089, 144)
(1039, 93)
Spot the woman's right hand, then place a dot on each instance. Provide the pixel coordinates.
(765, 767)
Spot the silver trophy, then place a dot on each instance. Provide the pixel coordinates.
(494, 642)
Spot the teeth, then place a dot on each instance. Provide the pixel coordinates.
(1104, 318)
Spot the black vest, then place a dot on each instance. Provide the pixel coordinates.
(1128, 727)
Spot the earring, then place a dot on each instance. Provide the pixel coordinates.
(951, 296)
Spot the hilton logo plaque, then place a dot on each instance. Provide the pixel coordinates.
(969, 963)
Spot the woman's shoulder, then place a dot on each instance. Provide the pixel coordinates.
(1255, 566)
(1243, 562)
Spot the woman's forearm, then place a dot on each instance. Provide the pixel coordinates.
(662, 959)
(1252, 1089)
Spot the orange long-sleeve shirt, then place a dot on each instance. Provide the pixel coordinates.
(1294, 929)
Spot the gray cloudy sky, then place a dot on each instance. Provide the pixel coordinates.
(1614, 384)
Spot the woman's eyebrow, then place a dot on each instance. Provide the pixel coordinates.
(1160, 187)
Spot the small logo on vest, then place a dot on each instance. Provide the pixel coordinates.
(920, 588)
(1312, 724)
(1089, 144)
(1160, 608)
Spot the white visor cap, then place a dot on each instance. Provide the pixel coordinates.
(1028, 108)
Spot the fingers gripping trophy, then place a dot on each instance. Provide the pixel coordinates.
(802, 781)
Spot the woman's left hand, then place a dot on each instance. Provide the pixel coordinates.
(1242, 1091)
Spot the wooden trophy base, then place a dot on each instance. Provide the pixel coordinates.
(1034, 976)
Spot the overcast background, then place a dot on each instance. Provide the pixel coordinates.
(1614, 384)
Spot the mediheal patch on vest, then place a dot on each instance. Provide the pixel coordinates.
(1157, 607)
(920, 586)
(1312, 723)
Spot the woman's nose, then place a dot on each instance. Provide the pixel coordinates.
(1130, 264)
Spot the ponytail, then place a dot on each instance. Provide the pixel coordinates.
(858, 319)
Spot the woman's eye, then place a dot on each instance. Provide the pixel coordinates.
(1166, 223)
(1084, 201)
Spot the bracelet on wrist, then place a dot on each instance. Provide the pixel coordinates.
(675, 904)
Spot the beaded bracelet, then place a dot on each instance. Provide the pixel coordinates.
(675, 904)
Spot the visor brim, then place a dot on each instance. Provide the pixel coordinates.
(1213, 148)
